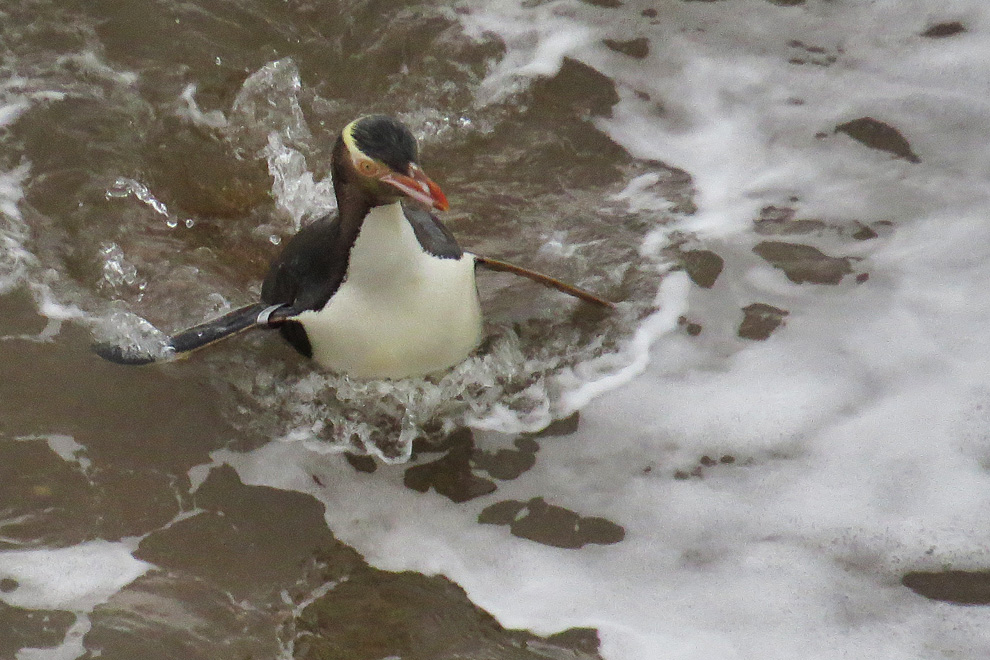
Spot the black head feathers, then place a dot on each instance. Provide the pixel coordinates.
(385, 139)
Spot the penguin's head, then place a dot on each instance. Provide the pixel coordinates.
(379, 155)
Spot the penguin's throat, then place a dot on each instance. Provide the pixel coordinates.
(385, 248)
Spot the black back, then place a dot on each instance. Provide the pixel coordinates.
(305, 275)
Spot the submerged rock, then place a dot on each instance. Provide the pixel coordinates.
(31, 628)
(803, 263)
(703, 267)
(636, 48)
(942, 30)
(877, 135)
(760, 321)
(551, 525)
(778, 220)
(451, 476)
(960, 587)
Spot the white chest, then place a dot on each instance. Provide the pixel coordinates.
(400, 311)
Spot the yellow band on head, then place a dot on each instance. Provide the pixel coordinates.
(348, 135)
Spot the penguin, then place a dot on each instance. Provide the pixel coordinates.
(379, 289)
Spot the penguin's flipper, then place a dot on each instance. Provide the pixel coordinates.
(257, 315)
(545, 280)
(128, 355)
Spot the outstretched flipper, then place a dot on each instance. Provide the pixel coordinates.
(257, 315)
(545, 280)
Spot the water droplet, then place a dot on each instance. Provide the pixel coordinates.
(117, 271)
(275, 239)
(171, 223)
(123, 187)
(190, 223)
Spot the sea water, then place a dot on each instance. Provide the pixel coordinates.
(784, 418)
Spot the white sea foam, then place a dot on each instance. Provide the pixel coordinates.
(75, 579)
(854, 438)
(11, 111)
(90, 63)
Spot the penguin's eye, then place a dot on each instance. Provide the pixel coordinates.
(367, 167)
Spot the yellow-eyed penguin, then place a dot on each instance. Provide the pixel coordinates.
(379, 289)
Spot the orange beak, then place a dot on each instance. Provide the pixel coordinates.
(417, 186)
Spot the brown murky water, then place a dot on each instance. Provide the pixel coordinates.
(153, 190)
(240, 571)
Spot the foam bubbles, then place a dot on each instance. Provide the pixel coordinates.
(77, 578)
(537, 43)
(506, 387)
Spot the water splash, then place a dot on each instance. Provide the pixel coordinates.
(134, 334)
(14, 257)
(525, 376)
(296, 192)
(124, 187)
(269, 101)
(189, 109)
(266, 120)
(117, 270)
